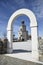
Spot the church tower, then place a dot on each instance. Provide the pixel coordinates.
(23, 33)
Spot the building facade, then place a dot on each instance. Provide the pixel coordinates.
(23, 33)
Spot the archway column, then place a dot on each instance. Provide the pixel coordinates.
(34, 34)
(10, 40)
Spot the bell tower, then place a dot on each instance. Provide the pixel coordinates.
(23, 33)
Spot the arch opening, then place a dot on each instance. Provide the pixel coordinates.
(21, 30)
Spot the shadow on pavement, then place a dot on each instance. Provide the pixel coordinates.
(20, 51)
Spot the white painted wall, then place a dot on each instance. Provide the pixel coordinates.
(22, 45)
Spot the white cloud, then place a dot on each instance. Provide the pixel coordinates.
(38, 8)
(20, 3)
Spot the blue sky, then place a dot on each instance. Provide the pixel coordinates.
(7, 7)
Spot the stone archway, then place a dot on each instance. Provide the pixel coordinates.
(33, 25)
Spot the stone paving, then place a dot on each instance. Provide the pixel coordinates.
(17, 59)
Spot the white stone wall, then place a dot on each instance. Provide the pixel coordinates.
(27, 45)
